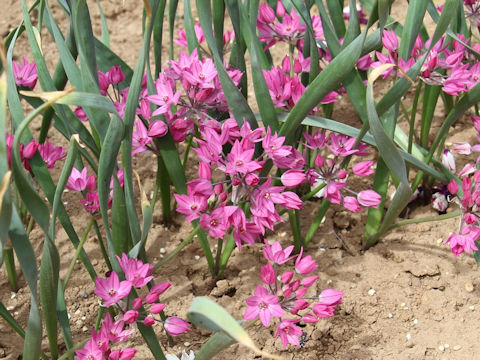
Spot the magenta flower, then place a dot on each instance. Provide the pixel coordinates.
(305, 265)
(331, 297)
(276, 254)
(176, 326)
(112, 290)
(363, 168)
(82, 116)
(51, 154)
(77, 181)
(164, 98)
(115, 75)
(293, 178)
(323, 310)
(289, 332)
(91, 202)
(191, 205)
(240, 161)
(369, 198)
(157, 129)
(135, 271)
(90, 351)
(351, 204)
(25, 74)
(263, 305)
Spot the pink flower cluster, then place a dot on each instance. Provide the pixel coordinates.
(329, 171)
(467, 196)
(145, 309)
(181, 40)
(220, 202)
(49, 153)
(453, 57)
(80, 181)
(283, 293)
(285, 86)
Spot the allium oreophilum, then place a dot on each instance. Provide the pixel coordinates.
(283, 294)
(117, 295)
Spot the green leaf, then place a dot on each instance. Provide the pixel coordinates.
(336, 14)
(411, 28)
(207, 314)
(172, 13)
(105, 33)
(28, 264)
(258, 64)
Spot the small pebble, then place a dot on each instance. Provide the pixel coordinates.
(162, 251)
(415, 322)
(402, 305)
(441, 348)
(69, 316)
(197, 257)
(13, 296)
(10, 308)
(323, 249)
(446, 346)
(65, 190)
(186, 343)
(371, 292)
(84, 329)
(409, 336)
(79, 322)
(329, 281)
(469, 287)
(65, 203)
(15, 313)
(340, 261)
(83, 294)
(472, 308)
(457, 347)
(84, 318)
(390, 315)
(77, 312)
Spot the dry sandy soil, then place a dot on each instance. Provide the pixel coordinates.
(406, 298)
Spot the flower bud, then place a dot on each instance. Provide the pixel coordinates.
(287, 277)
(30, 149)
(91, 183)
(157, 308)
(452, 187)
(137, 303)
(204, 171)
(319, 161)
(252, 179)
(161, 288)
(342, 174)
(309, 280)
(222, 197)
(157, 129)
(149, 321)
(280, 9)
(266, 14)
(218, 189)
(115, 75)
(151, 297)
(236, 181)
(449, 161)
(130, 316)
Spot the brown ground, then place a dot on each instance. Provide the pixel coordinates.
(406, 298)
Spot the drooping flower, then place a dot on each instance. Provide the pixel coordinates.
(176, 326)
(289, 332)
(25, 74)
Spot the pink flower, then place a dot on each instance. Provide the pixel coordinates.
(164, 98)
(91, 202)
(191, 205)
(82, 116)
(176, 326)
(453, 186)
(135, 271)
(51, 154)
(157, 129)
(125, 354)
(111, 290)
(293, 178)
(323, 310)
(263, 305)
(240, 161)
(267, 274)
(331, 297)
(289, 333)
(25, 74)
(449, 161)
(306, 265)
(77, 181)
(389, 40)
(90, 351)
(369, 198)
(115, 75)
(157, 308)
(351, 204)
(30, 149)
(148, 321)
(464, 242)
(130, 316)
(275, 253)
(363, 168)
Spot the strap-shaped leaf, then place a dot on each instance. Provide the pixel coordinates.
(411, 28)
(172, 13)
(258, 64)
(5, 202)
(26, 258)
(209, 315)
(105, 33)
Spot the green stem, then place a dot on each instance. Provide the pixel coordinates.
(425, 219)
(295, 226)
(227, 252)
(102, 246)
(187, 151)
(9, 260)
(78, 250)
(71, 351)
(179, 248)
(218, 256)
(322, 210)
(411, 130)
(163, 183)
(31, 224)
